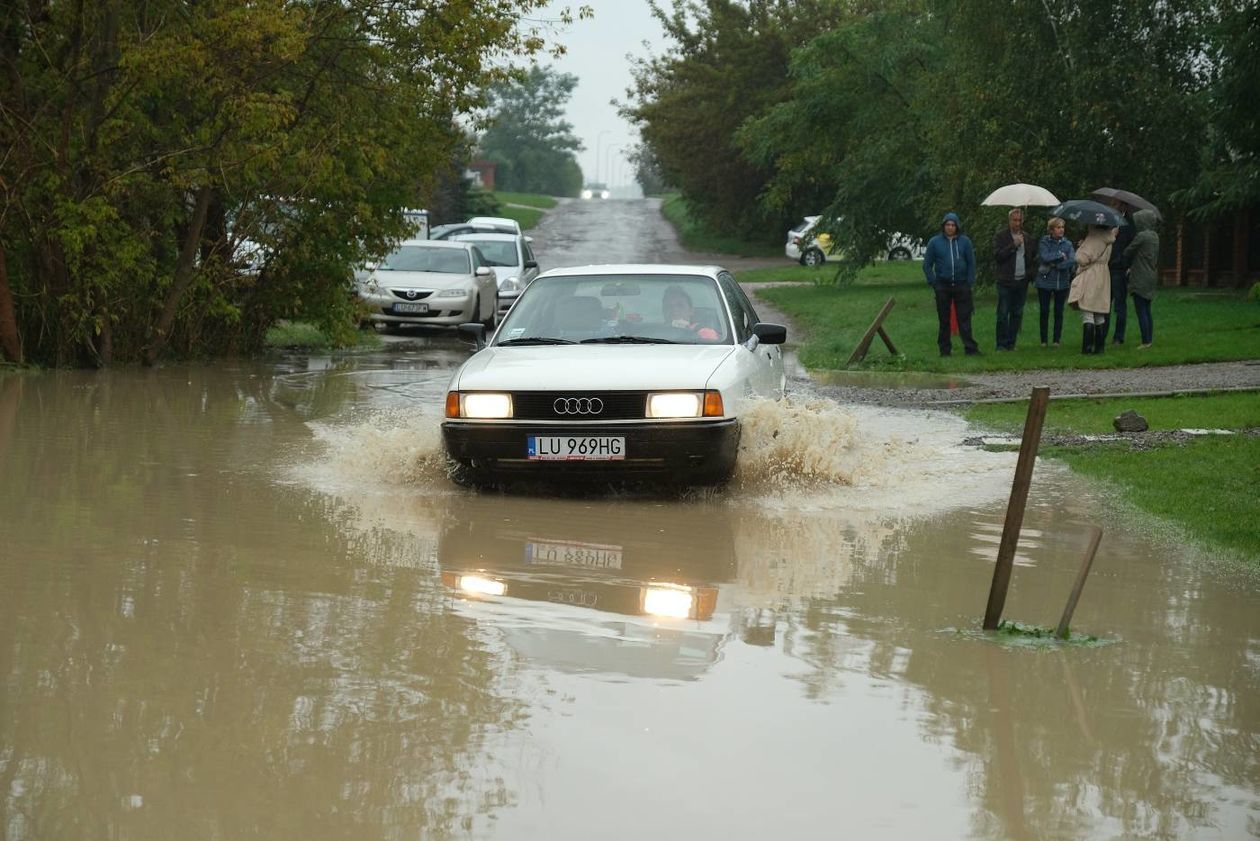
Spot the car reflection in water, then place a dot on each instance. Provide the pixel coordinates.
(553, 574)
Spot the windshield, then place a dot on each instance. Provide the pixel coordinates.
(613, 309)
(496, 251)
(424, 258)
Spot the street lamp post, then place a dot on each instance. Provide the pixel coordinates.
(599, 140)
(609, 165)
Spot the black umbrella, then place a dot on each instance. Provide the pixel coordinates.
(1133, 200)
(1091, 212)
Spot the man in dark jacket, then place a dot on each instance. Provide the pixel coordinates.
(1014, 251)
(1118, 266)
(949, 264)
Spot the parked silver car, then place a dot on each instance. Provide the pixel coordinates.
(513, 260)
(428, 282)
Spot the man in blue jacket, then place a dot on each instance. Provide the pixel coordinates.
(949, 264)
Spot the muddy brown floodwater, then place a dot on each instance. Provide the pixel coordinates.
(243, 601)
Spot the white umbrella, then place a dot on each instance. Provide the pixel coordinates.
(1021, 195)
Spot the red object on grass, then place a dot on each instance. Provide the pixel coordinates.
(953, 319)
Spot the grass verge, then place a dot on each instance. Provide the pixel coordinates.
(694, 235)
(526, 217)
(1210, 487)
(1190, 326)
(531, 199)
(302, 335)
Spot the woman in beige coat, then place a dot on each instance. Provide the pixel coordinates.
(1091, 288)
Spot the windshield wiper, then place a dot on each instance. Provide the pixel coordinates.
(627, 340)
(535, 340)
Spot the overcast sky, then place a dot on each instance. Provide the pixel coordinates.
(597, 50)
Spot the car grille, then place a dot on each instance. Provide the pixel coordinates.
(411, 295)
(615, 405)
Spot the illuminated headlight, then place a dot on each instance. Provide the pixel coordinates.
(604, 194)
(586, 194)
(675, 404)
(479, 585)
(478, 404)
(667, 600)
(453, 293)
(510, 286)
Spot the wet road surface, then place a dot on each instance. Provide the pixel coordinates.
(243, 601)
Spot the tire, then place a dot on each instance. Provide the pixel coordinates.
(899, 253)
(813, 257)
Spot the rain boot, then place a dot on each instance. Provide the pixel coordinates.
(1087, 339)
(1100, 335)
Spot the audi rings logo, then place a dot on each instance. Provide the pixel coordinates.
(578, 406)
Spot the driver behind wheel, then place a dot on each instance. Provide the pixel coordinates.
(679, 313)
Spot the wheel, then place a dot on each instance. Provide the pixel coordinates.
(813, 257)
(899, 253)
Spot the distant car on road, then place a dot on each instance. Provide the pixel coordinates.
(813, 249)
(596, 190)
(614, 373)
(428, 282)
(512, 259)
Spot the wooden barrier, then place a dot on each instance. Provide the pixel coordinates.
(859, 352)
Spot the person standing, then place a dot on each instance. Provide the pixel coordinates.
(1143, 256)
(1091, 288)
(1013, 253)
(1118, 267)
(949, 264)
(1054, 278)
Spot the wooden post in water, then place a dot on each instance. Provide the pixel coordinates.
(1088, 561)
(1015, 508)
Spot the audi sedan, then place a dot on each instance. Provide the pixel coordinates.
(612, 373)
(428, 282)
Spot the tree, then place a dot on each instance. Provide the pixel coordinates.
(528, 136)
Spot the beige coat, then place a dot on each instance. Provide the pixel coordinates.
(1091, 288)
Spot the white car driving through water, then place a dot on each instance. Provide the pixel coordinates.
(612, 373)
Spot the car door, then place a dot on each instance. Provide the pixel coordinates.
(763, 363)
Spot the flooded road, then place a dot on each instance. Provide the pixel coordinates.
(243, 601)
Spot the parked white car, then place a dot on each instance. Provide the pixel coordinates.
(609, 373)
(512, 259)
(428, 282)
(810, 249)
(501, 221)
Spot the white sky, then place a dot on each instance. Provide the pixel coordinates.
(597, 50)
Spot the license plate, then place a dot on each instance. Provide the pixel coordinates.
(418, 309)
(573, 554)
(575, 448)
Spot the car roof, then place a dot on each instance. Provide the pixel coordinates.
(493, 236)
(495, 220)
(635, 268)
(437, 243)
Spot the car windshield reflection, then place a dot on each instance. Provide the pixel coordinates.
(420, 258)
(628, 309)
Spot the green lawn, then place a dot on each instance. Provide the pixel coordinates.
(1210, 487)
(695, 236)
(527, 217)
(1190, 325)
(531, 199)
(302, 335)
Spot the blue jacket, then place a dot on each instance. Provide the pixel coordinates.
(1058, 259)
(950, 261)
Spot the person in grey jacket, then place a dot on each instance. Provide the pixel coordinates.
(1142, 255)
(1054, 278)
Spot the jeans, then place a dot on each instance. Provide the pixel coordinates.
(1142, 307)
(1120, 302)
(1060, 299)
(1010, 313)
(960, 296)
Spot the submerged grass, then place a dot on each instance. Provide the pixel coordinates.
(302, 335)
(1190, 326)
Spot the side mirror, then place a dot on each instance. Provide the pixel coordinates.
(476, 333)
(483, 271)
(531, 264)
(770, 334)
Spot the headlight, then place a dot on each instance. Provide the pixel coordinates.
(685, 404)
(586, 194)
(604, 194)
(510, 286)
(453, 293)
(669, 600)
(485, 405)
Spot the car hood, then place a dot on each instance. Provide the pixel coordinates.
(420, 280)
(591, 367)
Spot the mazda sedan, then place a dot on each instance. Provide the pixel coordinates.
(611, 373)
(428, 282)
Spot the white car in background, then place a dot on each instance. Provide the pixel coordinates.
(810, 249)
(430, 282)
(501, 221)
(513, 261)
(614, 373)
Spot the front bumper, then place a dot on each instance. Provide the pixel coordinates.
(691, 452)
(442, 311)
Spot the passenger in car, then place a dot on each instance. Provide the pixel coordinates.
(678, 311)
